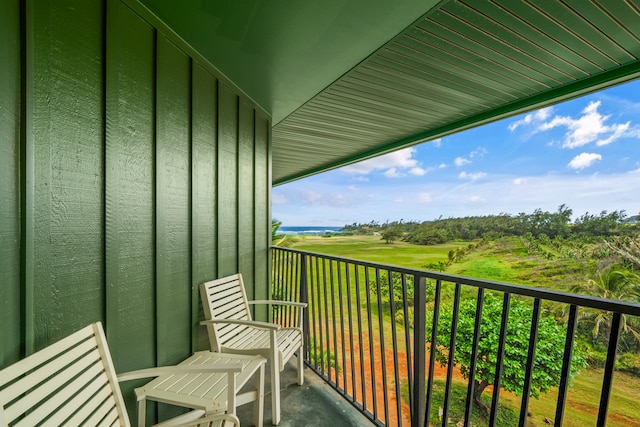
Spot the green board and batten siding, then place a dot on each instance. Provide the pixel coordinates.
(11, 313)
(130, 171)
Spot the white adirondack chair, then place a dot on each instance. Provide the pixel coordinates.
(231, 329)
(73, 382)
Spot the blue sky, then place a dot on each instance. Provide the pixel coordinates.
(584, 153)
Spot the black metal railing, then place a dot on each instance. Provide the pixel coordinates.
(369, 329)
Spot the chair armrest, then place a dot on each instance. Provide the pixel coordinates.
(252, 323)
(179, 369)
(279, 302)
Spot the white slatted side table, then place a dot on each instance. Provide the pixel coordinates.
(208, 393)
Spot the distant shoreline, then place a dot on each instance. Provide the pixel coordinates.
(310, 230)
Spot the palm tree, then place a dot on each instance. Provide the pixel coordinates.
(282, 240)
(275, 226)
(628, 248)
(615, 283)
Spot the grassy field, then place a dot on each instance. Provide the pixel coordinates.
(503, 260)
(372, 248)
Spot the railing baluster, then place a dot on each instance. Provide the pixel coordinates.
(312, 309)
(383, 374)
(452, 346)
(609, 367)
(328, 331)
(416, 388)
(474, 357)
(344, 355)
(296, 275)
(394, 343)
(566, 365)
(499, 360)
(276, 279)
(304, 297)
(333, 321)
(350, 319)
(371, 349)
(528, 375)
(360, 331)
(432, 349)
(282, 292)
(289, 293)
(407, 338)
(322, 304)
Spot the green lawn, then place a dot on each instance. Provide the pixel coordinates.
(583, 400)
(374, 249)
(503, 260)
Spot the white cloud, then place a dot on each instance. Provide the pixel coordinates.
(279, 199)
(472, 176)
(580, 191)
(361, 179)
(461, 161)
(584, 160)
(392, 173)
(442, 166)
(532, 118)
(437, 142)
(519, 181)
(320, 198)
(310, 196)
(424, 198)
(417, 171)
(478, 152)
(353, 188)
(588, 128)
(619, 130)
(402, 159)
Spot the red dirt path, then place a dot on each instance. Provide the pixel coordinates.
(391, 418)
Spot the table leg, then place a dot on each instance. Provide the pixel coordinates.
(258, 404)
(275, 389)
(231, 394)
(142, 412)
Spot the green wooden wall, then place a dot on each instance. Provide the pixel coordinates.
(130, 171)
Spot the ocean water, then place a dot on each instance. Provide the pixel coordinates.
(309, 230)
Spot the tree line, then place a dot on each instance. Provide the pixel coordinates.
(538, 223)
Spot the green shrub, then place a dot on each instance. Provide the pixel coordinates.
(322, 359)
(629, 362)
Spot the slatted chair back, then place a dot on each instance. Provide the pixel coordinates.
(70, 382)
(225, 299)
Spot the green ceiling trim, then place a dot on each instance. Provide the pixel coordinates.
(569, 91)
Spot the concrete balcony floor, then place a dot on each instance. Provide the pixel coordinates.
(313, 404)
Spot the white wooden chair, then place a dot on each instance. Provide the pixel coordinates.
(73, 382)
(231, 329)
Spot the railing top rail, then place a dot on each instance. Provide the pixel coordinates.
(622, 307)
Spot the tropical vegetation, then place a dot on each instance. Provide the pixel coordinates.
(547, 365)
